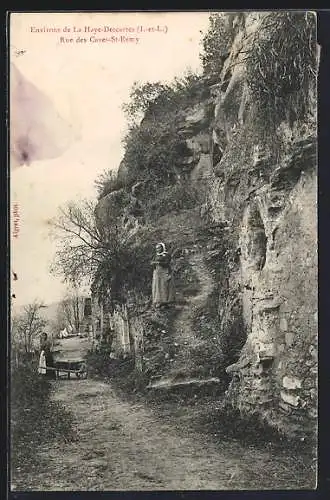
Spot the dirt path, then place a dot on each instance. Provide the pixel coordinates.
(185, 340)
(124, 446)
(184, 332)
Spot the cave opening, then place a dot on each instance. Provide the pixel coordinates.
(267, 364)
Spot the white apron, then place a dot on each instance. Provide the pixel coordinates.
(42, 363)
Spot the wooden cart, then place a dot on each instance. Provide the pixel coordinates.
(78, 367)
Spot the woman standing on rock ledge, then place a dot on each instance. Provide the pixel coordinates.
(163, 291)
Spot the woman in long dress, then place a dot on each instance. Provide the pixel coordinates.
(46, 359)
(163, 290)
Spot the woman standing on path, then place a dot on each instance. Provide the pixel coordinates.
(46, 359)
(163, 291)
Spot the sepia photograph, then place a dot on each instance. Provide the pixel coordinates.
(163, 251)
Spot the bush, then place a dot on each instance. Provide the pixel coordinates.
(108, 182)
(180, 196)
(249, 429)
(153, 147)
(99, 361)
(152, 99)
(152, 151)
(142, 95)
(120, 371)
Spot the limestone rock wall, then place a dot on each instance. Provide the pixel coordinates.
(270, 206)
(277, 371)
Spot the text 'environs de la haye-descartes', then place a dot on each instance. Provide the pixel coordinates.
(100, 29)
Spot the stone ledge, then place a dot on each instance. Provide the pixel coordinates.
(169, 383)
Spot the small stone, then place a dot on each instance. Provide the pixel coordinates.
(290, 399)
(291, 383)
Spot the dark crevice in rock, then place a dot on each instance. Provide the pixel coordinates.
(256, 239)
(216, 154)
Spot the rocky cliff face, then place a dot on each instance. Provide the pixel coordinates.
(248, 248)
(270, 203)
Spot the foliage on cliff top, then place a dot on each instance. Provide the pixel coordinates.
(281, 68)
(153, 149)
(151, 98)
(107, 182)
(216, 42)
(283, 55)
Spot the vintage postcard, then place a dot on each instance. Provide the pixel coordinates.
(163, 219)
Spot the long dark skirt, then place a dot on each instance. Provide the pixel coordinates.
(50, 364)
(163, 291)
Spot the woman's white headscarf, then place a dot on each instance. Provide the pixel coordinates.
(163, 251)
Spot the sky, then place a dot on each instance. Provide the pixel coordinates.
(86, 83)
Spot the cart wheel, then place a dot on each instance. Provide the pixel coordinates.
(82, 373)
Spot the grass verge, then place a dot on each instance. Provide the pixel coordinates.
(35, 419)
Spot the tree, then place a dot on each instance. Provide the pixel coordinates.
(81, 246)
(71, 310)
(89, 250)
(27, 326)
